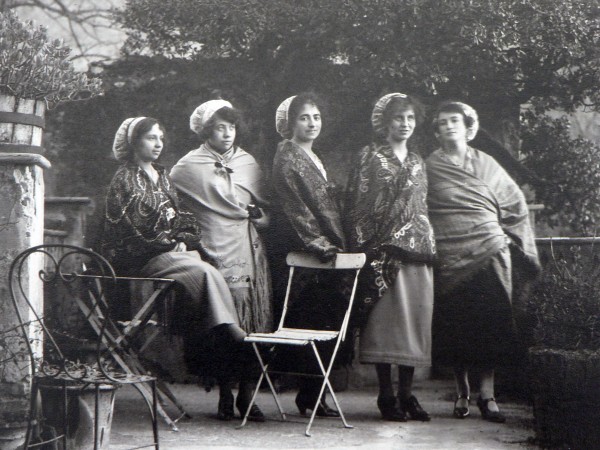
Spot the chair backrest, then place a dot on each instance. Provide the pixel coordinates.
(51, 347)
(342, 261)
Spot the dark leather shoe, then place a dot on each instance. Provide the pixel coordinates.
(491, 416)
(323, 410)
(390, 409)
(255, 414)
(413, 408)
(460, 412)
(225, 411)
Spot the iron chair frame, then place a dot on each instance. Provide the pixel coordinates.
(302, 337)
(121, 337)
(61, 372)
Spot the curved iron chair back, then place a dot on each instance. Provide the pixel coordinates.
(90, 276)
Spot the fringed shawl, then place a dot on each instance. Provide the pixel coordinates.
(386, 217)
(306, 198)
(473, 215)
(143, 219)
(217, 190)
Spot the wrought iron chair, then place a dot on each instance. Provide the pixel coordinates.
(56, 367)
(304, 337)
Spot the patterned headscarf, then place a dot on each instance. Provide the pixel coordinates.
(469, 112)
(123, 137)
(204, 112)
(377, 114)
(282, 119)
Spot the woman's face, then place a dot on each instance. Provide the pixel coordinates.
(452, 127)
(307, 126)
(223, 135)
(402, 125)
(149, 145)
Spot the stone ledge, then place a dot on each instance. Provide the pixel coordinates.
(67, 200)
(25, 159)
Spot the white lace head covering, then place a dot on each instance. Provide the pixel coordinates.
(468, 111)
(378, 110)
(204, 112)
(282, 118)
(122, 142)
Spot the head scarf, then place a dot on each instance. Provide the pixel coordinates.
(469, 112)
(204, 112)
(123, 137)
(282, 119)
(378, 110)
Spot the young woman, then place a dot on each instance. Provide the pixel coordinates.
(308, 220)
(480, 218)
(146, 234)
(387, 219)
(222, 186)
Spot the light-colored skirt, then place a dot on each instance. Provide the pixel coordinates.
(208, 301)
(398, 329)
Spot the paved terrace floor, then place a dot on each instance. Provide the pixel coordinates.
(131, 424)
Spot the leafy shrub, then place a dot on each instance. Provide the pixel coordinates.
(33, 66)
(568, 171)
(564, 302)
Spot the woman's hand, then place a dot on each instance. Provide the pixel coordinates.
(180, 247)
(261, 222)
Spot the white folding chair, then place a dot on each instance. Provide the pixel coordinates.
(302, 337)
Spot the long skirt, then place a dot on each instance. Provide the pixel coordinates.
(398, 329)
(473, 324)
(209, 302)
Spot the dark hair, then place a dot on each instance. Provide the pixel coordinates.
(451, 107)
(305, 98)
(226, 113)
(399, 104)
(140, 130)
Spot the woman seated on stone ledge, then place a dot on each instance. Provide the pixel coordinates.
(146, 234)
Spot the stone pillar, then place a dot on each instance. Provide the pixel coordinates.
(21, 227)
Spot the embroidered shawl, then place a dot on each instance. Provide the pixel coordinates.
(217, 189)
(142, 219)
(474, 215)
(307, 200)
(386, 216)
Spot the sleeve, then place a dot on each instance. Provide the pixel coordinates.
(296, 198)
(126, 232)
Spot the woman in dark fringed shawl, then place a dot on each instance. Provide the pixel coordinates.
(307, 219)
(146, 234)
(482, 228)
(386, 217)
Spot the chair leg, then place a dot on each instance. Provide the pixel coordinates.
(32, 413)
(154, 414)
(264, 374)
(327, 383)
(96, 416)
(65, 413)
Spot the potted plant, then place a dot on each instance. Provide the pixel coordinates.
(35, 74)
(565, 361)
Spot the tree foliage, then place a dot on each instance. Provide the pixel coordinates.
(489, 52)
(569, 172)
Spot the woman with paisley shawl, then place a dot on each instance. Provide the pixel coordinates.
(307, 219)
(386, 218)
